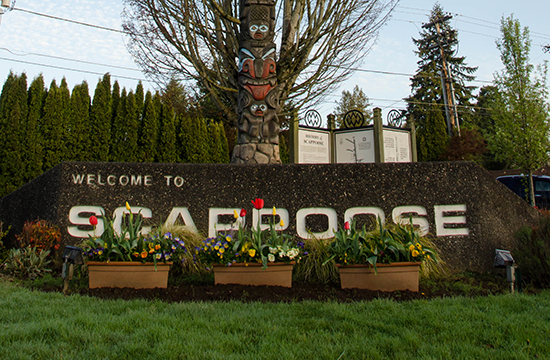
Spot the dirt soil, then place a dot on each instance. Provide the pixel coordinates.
(454, 286)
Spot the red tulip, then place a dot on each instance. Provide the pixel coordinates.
(243, 212)
(93, 220)
(346, 225)
(258, 203)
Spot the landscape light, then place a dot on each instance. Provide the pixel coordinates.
(72, 256)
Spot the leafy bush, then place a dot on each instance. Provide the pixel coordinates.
(3, 251)
(532, 252)
(40, 234)
(310, 268)
(28, 262)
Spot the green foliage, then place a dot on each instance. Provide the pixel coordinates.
(249, 245)
(130, 244)
(40, 234)
(28, 262)
(388, 243)
(426, 84)
(311, 268)
(100, 120)
(356, 100)
(3, 250)
(33, 158)
(13, 117)
(78, 140)
(521, 115)
(149, 130)
(283, 149)
(167, 151)
(433, 138)
(532, 252)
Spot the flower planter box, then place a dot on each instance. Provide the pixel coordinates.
(128, 274)
(276, 274)
(391, 277)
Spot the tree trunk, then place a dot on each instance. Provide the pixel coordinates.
(531, 188)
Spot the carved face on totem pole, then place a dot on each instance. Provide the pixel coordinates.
(257, 77)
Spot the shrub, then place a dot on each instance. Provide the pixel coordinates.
(532, 252)
(40, 234)
(310, 268)
(29, 262)
(3, 251)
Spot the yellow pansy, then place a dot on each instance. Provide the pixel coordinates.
(415, 253)
(252, 252)
(411, 247)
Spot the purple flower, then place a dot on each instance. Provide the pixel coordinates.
(301, 244)
(305, 253)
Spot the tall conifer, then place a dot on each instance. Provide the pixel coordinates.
(33, 139)
(100, 120)
(149, 130)
(52, 128)
(13, 116)
(167, 140)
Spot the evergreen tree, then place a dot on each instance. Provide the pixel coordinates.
(52, 127)
(167, 152)
(522, 123)
(175, 95)
(356, 100)
(225, 157)
(140, 98)
(79, 119)
(148, 139)
(100, 120)
(118, 130)
(216, 148)
(131, 125)
(435, 138)
(426, 84)
(283, 149)
(13, 117)
(33, 139)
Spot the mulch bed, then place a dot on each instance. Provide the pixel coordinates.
(298, 292)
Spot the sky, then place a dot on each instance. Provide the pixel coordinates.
(37, 44)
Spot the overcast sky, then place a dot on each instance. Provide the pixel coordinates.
(28, 42)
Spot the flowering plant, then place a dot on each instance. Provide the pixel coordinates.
(130, 245)
(250, 245)
(388, 243)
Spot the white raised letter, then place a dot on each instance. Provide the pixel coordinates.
(214, 226)
(77, 220)
(185, 215)
(119, 213)
(403, 214)
(258, 214)
(376, 211)
(302, 214)
(441, 220)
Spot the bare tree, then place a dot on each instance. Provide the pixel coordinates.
(318, 41)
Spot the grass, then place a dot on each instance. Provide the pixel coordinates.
(37, 325)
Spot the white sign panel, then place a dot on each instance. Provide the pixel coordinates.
(397, 146)
(355, 146)
(314, 146)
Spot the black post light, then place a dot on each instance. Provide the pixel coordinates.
(504, 259)
(72, 256)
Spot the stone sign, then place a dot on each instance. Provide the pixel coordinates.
(469, 212)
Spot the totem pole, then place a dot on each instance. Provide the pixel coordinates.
(258, 102)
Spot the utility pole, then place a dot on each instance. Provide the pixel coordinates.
(441, 39)
(5, 6)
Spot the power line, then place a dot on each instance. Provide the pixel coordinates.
(70, 69)
(70, 21)
(67, 59)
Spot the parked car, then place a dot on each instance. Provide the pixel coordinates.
(518, 184)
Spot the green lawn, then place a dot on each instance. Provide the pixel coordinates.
(37, 325)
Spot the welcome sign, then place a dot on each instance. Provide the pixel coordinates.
(468, 212)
